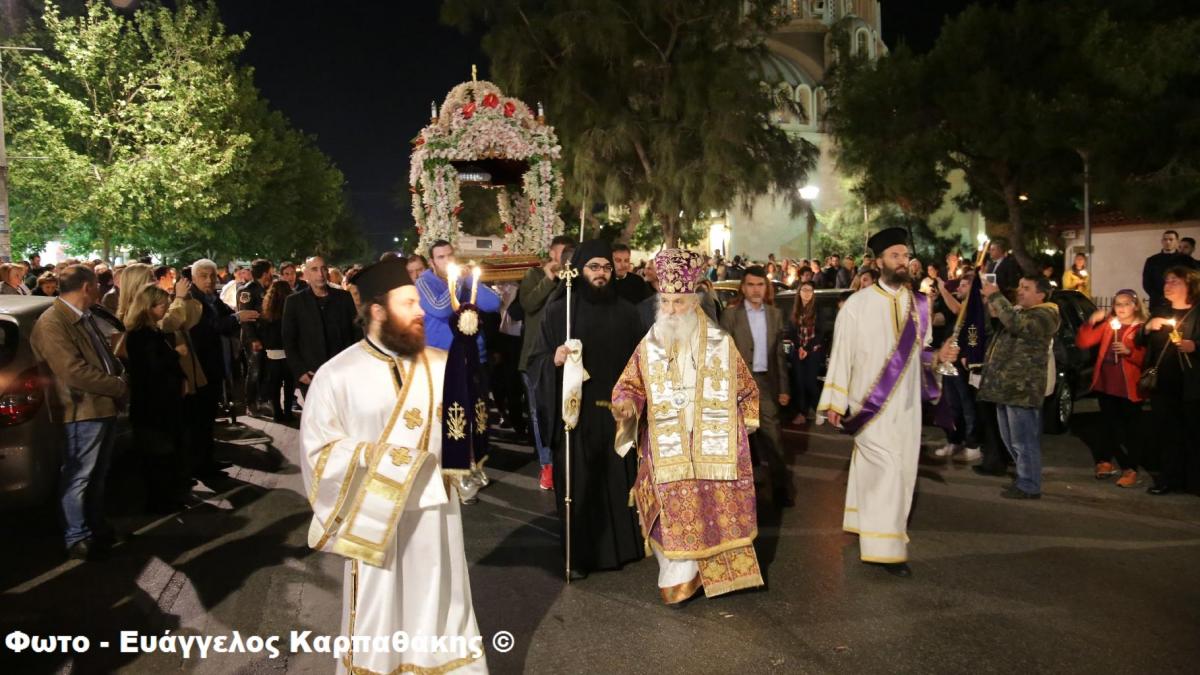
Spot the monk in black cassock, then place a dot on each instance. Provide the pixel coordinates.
(605, 533)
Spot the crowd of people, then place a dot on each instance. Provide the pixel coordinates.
(180, 348)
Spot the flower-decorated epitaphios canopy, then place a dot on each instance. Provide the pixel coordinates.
(484, 138)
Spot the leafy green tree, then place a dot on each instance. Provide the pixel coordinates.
(655, 101)
(1014, 97)
(157, 140)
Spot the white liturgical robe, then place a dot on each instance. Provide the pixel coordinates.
(370, 449)
(883, 467)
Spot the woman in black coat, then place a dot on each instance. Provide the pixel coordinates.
(156, 388)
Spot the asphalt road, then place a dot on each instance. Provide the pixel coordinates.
(1091, 578)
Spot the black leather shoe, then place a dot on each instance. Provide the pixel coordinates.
(986, 471)
(87, 549)
(1157, 489)
(1013, 492)
(577, 575)
(901, 570)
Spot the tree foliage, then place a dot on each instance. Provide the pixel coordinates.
(1015, 97)
(655, 101)
(157, 140)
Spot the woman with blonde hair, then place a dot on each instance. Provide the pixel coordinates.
(1118, 368)
(156, 388)
(133, 277)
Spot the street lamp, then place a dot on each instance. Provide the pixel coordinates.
(809, 194)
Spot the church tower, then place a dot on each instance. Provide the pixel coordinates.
(801, 53)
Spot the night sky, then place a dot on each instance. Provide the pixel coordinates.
(360, 78)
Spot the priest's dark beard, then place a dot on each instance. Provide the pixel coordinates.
(895, 277)
(405, 338)
(603, 295)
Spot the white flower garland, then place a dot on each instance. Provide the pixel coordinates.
(478, 122)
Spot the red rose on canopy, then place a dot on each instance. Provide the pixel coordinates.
(509, 109)
(508, 229)
(468, 110)
(458, 209)
(505, 248)
(532, 207)
(491, 101)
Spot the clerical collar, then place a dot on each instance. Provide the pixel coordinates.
(887, 289)
(380, 348)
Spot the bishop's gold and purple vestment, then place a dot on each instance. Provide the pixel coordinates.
(370, 454)
(695, 483)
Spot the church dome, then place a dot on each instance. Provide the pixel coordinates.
(773, 69)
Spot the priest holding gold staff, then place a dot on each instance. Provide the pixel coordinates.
(371, 449)
(881, 368)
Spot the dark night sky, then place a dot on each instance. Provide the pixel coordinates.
(360, 78)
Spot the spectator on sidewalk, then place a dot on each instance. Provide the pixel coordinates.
(1187, 247)
(157, 387)
(250, 296)
(277, 375)
(318, 323)
(627, 284)
(217, 322)
(47, 285)
(1155, 269)
(112, 299)
(12, 280)
(86, 390)
(1006, 269)
(1015, 374)
(1170, 339)
(811, 332)
(1114, 381)
(1077, 277)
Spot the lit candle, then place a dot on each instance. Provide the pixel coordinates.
(433, 110)
(1116, 326)
(1083, 273)
(475, 274)
(541, 111)
(452, 272)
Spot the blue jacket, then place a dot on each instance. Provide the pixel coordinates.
(435, 300)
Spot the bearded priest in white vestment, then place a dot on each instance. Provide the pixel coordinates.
(370, 452)
(880, 371)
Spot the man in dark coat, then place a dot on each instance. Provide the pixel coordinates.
(217, 321)
(1155, 269)
(604, 528)
(628, 285)
(318, 323)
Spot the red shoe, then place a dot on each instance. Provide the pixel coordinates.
(546, 482)
(1106, 470)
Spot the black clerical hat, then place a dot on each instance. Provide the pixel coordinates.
(885, 239)
(377, 279)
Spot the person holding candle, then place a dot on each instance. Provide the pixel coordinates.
(1170, 339)
(435, 286)
(1119, 362)
(1077, 277)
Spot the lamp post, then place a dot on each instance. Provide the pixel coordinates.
(5, 233)
(1087, 221)
(809, 194)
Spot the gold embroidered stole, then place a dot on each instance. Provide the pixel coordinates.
(394, 462)
(709, 452)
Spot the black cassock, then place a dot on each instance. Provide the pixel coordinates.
(605, 532)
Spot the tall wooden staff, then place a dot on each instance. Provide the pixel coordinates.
(568, 275)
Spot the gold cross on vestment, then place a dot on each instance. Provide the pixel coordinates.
(400, 456)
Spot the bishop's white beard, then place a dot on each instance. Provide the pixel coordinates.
(675, 330)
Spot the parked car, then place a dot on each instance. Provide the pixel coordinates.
(1074, 365)
(30, 446)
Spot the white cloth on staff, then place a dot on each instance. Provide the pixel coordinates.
(883, 467)
(371, 448)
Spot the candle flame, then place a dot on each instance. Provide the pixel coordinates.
(1115, 323)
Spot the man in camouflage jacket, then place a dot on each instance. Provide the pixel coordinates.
(1014, 376)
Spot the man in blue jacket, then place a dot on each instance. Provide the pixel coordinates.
(435, 298)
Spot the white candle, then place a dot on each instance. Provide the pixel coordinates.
(1116, 324)
(433, 110)
(475, 274)
(541, 111)
(452, 272)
